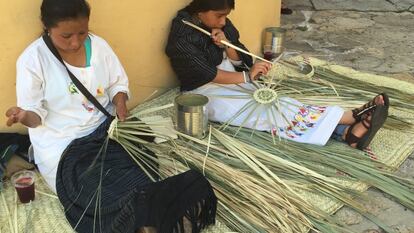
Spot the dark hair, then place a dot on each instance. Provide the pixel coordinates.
(55, 11)
(197, 6)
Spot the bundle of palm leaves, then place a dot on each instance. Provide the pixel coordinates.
(247, 203)
(267, 185)
(260, 188)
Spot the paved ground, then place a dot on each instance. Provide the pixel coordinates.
(375, 36)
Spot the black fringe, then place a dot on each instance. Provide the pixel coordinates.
(197, 204)
(200, 215)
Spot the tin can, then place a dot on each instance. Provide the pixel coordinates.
(192, 115)
(274, 37)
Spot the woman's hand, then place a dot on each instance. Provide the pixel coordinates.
(15, 115)
(217, 35)
(18, 115)
(122, 112)
(258, 69)
(119, 101)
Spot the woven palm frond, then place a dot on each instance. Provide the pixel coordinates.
(250, 171)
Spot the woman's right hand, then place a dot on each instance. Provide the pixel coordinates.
(258, 69)
(15, 115)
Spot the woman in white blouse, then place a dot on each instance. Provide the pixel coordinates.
(99, 190)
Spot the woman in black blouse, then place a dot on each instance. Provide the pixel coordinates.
(206, 66)
(195, 56)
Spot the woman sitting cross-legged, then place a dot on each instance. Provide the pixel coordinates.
(100, 186)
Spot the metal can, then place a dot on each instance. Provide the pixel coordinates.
(192, 115)
(274, 37)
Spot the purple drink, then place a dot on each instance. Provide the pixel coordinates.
(25, 189)
(270, 55)
(23, 181)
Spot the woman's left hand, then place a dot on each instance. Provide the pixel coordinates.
(120, 105)
(217, 35)
(122, 112)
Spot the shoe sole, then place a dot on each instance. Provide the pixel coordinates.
(379, 116)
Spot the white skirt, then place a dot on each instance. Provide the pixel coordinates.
(293, 120)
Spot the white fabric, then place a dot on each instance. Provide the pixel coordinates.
(236, 63)
(44, 87)
(312, 124)
(227, 64)
(233, 62)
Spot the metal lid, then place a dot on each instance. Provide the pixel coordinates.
(275, 30)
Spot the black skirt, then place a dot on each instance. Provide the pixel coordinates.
(103, 190)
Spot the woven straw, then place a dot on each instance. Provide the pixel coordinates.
(45, 214)
(390, 147)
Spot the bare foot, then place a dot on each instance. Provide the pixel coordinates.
(362, 113)
(379, 100)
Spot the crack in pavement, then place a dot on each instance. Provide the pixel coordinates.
(389, 1)
(396, 7)
(392, 3)
(364, 11)
(313, 5)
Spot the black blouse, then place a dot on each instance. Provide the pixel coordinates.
(194, 56)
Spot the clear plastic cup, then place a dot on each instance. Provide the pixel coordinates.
(271, 52)
(24, 183)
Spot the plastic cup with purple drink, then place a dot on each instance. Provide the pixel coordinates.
(24, 183)
(271, 52)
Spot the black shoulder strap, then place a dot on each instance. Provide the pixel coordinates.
(77, 83)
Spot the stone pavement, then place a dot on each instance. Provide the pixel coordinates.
(375, 36)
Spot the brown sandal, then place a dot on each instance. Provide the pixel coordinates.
(363, 112)
(378, 117)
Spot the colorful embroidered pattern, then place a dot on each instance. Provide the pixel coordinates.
(72, 89)
(100, 91)
(305, 119)
(88, 107)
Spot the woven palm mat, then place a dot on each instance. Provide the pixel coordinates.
(45, 214)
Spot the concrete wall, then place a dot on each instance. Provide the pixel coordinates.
(136, 30)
